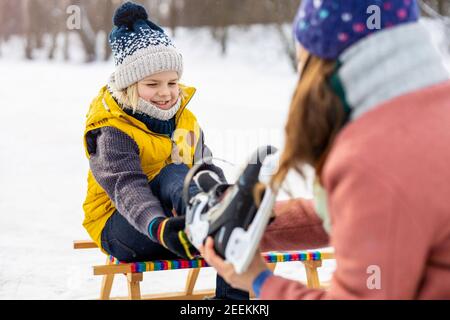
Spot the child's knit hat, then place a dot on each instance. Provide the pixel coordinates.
(140, 47)
(325, 28)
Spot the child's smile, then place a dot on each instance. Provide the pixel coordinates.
(164, 104)
(161, 89)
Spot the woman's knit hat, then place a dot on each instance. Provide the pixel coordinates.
(140, 47)
(325, 28)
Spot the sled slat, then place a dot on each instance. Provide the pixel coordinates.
(112, 269)
(84, 244)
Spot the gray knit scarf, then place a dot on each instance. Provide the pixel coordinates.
(388, 64)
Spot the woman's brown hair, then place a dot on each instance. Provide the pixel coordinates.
(315, 117)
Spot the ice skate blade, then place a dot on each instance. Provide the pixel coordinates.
(242, 245)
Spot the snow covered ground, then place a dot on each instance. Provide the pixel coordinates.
(242, 102)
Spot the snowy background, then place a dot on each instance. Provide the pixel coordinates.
(241, 103)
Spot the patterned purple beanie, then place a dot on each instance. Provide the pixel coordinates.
(327, 27)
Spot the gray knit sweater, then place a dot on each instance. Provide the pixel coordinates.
(116, 166)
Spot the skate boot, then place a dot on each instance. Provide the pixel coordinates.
(212, 188)
(230, 215)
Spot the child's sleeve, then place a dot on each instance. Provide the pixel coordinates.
(116, 166)
(201, 150)
(203, 153)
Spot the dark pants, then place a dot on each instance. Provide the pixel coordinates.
(121, 240)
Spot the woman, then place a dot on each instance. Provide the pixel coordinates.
(372, 115)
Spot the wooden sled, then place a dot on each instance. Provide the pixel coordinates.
(134, 272)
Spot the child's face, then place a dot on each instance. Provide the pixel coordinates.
(161, 89)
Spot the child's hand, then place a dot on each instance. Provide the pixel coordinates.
(170, 233)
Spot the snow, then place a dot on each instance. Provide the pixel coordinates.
(241, 103)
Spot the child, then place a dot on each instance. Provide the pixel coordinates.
(141, 141)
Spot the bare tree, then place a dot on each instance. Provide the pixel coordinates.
(32, 13)
(286, 38)
(57, 26)
(440, 6)
(174, 6)
(107, 8)
(10, 14)
(443, 7)
(48, 17)
(86, 33)
(219, 28)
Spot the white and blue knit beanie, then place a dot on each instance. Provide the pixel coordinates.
(140, 47)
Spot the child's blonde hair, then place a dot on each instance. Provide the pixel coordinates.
(128, 96)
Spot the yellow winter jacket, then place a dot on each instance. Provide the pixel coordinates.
(155, 150)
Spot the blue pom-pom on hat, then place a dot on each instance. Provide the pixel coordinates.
(128, 13)
(140, 47)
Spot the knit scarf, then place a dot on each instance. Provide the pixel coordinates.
(157, 120)
(388, 64)
(165, 127)
(148, 108)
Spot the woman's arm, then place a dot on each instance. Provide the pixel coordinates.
(296, 227)
(381, 248)
(116, 166)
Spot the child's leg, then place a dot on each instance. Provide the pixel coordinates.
(226, 292)
(121, 240)
(168, 187)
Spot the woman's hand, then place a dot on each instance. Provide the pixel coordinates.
(226, 270)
